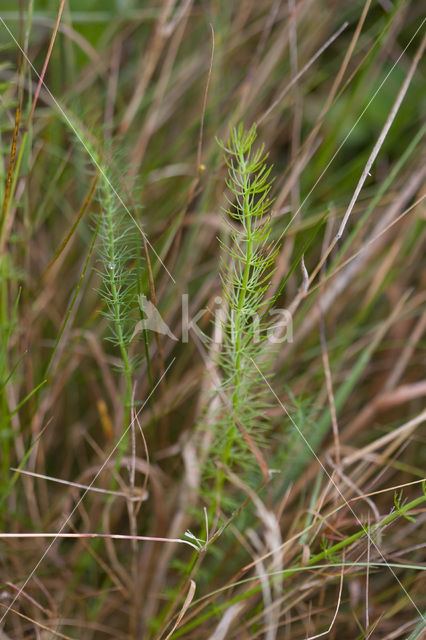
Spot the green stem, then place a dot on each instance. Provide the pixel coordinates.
(236, 329)
(116, 304)
(243, 290)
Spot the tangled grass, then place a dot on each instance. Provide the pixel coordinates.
(212, 389)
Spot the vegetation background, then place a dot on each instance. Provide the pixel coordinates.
(263, 493)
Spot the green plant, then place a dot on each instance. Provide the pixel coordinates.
(247, 264)
(290, 495)
(117, 247)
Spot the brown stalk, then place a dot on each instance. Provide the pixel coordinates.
(46, 62)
